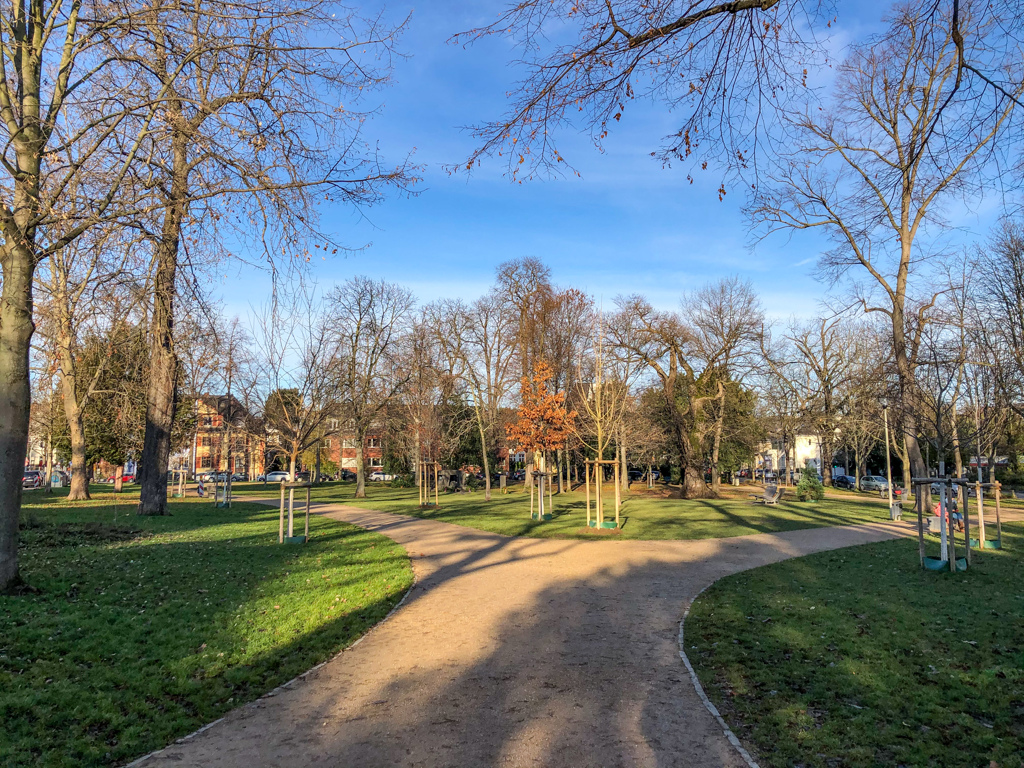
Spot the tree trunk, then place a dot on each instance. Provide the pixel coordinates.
(716, 480)
(49, 452)
(293, 460)
(958, 461)
(16, 329)
(360, 469)
(827, 455)
(76, 432)
(118, 478)
(162, 396)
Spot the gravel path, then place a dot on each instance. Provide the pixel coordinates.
(511, 652)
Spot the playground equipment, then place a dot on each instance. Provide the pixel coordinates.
(426, 468)
(598, 520)
(178, 479)
(291, 538)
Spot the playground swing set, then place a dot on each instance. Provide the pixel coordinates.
(944, 521)
(595, 467)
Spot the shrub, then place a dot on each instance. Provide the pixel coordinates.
(810, 488)
(403, 481)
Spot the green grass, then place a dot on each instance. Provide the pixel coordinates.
(858, 658)
(645, 517)
(144, 629)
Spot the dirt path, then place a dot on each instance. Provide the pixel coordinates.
(511, 652)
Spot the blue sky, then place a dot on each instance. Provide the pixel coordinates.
(627, 225)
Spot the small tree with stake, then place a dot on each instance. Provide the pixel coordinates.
(542, 425)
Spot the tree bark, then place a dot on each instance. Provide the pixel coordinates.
(716, 480)
(162, 396)
(118, 478)
(16, 329)
(76, 429)
(360, 468)
(958, 461)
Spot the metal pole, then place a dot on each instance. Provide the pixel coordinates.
(307, 513)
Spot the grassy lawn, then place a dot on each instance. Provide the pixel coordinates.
(143, 629)
(646, 517)
(858, 658)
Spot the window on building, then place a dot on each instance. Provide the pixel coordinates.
(205, 462)
(206, 441)
(348, 442)
(328, 443)
(375, 463)
(373, 442)
(207, 421)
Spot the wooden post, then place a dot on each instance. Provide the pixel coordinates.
(999, 522)
(291, 512)
(981, 515)
(599, 492)
(307, 513)
(528, 477)
(967, 525)
(618, 494)
(280, 532)
(920, 521)
(950, 533)
(586, 479)
(551, 498)
(437, 503)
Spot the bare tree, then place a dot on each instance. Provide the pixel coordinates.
(300, 373)
(368, 319)
(724, 66)
(242, 82)
(901, 136)
(478, 341)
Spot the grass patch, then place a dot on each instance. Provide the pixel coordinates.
(857, 657)
(144, 629)
(646, 517)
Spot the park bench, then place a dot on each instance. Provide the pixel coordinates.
(771, 495)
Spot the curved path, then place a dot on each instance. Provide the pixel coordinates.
(511, 652)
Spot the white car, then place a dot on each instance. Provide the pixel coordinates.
(379, 476)
(277, 477)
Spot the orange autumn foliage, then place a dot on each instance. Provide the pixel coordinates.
(543, 423)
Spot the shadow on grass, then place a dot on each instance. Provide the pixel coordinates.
(132, 643)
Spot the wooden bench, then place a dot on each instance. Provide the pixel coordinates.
(771, 495)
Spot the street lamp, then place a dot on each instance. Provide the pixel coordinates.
(888, 461)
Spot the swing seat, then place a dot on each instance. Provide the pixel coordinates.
(989, 544)
(935, 564)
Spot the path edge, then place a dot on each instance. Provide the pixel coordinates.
(290, 683)
(729, 735)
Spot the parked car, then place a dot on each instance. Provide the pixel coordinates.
(347, 475)
(238, 477)
(874, 483)
(31, 478)
(128, 478)
(277, 476)
(380, 476)
(844, 481)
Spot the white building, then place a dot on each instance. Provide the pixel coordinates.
(802, 449)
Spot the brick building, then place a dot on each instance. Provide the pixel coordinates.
(210, 451)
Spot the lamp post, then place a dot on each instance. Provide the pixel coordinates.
(888, 461)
